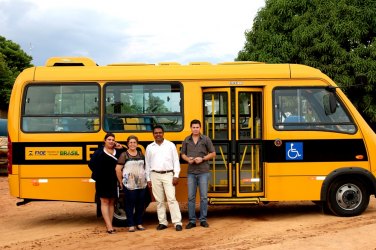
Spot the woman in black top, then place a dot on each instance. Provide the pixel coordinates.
(130, 171)
(102, 164)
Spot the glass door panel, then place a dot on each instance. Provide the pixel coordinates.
(217, 127)
(216, 115)
(249, 179)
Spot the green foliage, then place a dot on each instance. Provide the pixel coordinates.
(12, 61)
(335, 36)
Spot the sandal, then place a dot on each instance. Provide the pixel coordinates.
(131, 229)
(112, 231)
(140, 227)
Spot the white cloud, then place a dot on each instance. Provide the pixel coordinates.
(134, 31)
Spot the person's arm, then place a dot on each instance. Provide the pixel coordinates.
(210, 155)
(94, 159)
(211, 149)
(119, 168)
(147, 166)
(184, 155)
(95, 162)
(119, 175)
(207, 157)
(190, 160)
(176, 164)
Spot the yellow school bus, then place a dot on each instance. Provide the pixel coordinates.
(282, 132)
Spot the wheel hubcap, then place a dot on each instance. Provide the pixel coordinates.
(349, 196)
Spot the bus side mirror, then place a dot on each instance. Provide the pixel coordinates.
(330, 103)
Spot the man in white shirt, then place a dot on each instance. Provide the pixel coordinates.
(162, 174)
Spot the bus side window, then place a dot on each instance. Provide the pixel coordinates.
(302, 108)
(113, 124)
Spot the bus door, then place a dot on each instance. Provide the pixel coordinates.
(232, 119)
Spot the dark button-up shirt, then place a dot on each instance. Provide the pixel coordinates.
(203, 147)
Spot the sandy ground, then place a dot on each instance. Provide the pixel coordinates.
(68, 225)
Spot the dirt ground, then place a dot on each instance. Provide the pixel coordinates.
(69, 225)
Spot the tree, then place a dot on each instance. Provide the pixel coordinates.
(12, 61)
(335, 36)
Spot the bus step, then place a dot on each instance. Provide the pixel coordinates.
(227, 201)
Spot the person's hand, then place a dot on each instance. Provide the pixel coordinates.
(175, 181)
(118, 145)
(198, 160)
(149, 184)
(191, 160)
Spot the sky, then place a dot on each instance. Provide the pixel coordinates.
(115, 31)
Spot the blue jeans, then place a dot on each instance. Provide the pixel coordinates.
(134, 201)
(200, 180)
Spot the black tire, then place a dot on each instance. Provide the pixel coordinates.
(323, 207)
(347, 197)
(120, 219)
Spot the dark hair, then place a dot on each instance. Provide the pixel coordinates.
(108, 135)
(132, 137)
(158, 126)
(195, 121)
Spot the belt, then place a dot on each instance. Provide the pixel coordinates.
(162, 172)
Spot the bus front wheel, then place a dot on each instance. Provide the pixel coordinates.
(347, 197)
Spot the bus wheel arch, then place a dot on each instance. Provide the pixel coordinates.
(346, 191)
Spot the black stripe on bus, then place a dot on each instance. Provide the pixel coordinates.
(338, 150)
(335, 150)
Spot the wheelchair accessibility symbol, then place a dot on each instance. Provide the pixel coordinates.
(294, 151)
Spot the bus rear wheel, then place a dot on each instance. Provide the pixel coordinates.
(347, 197)
(120, 219)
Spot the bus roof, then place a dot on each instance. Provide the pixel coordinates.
(89, 71)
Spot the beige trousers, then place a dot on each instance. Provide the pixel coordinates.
(162, 186)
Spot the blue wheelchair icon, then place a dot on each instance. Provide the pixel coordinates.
(294, 151)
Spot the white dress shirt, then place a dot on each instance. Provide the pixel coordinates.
(162, 157)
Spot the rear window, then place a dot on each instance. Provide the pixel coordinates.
(61, 107)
